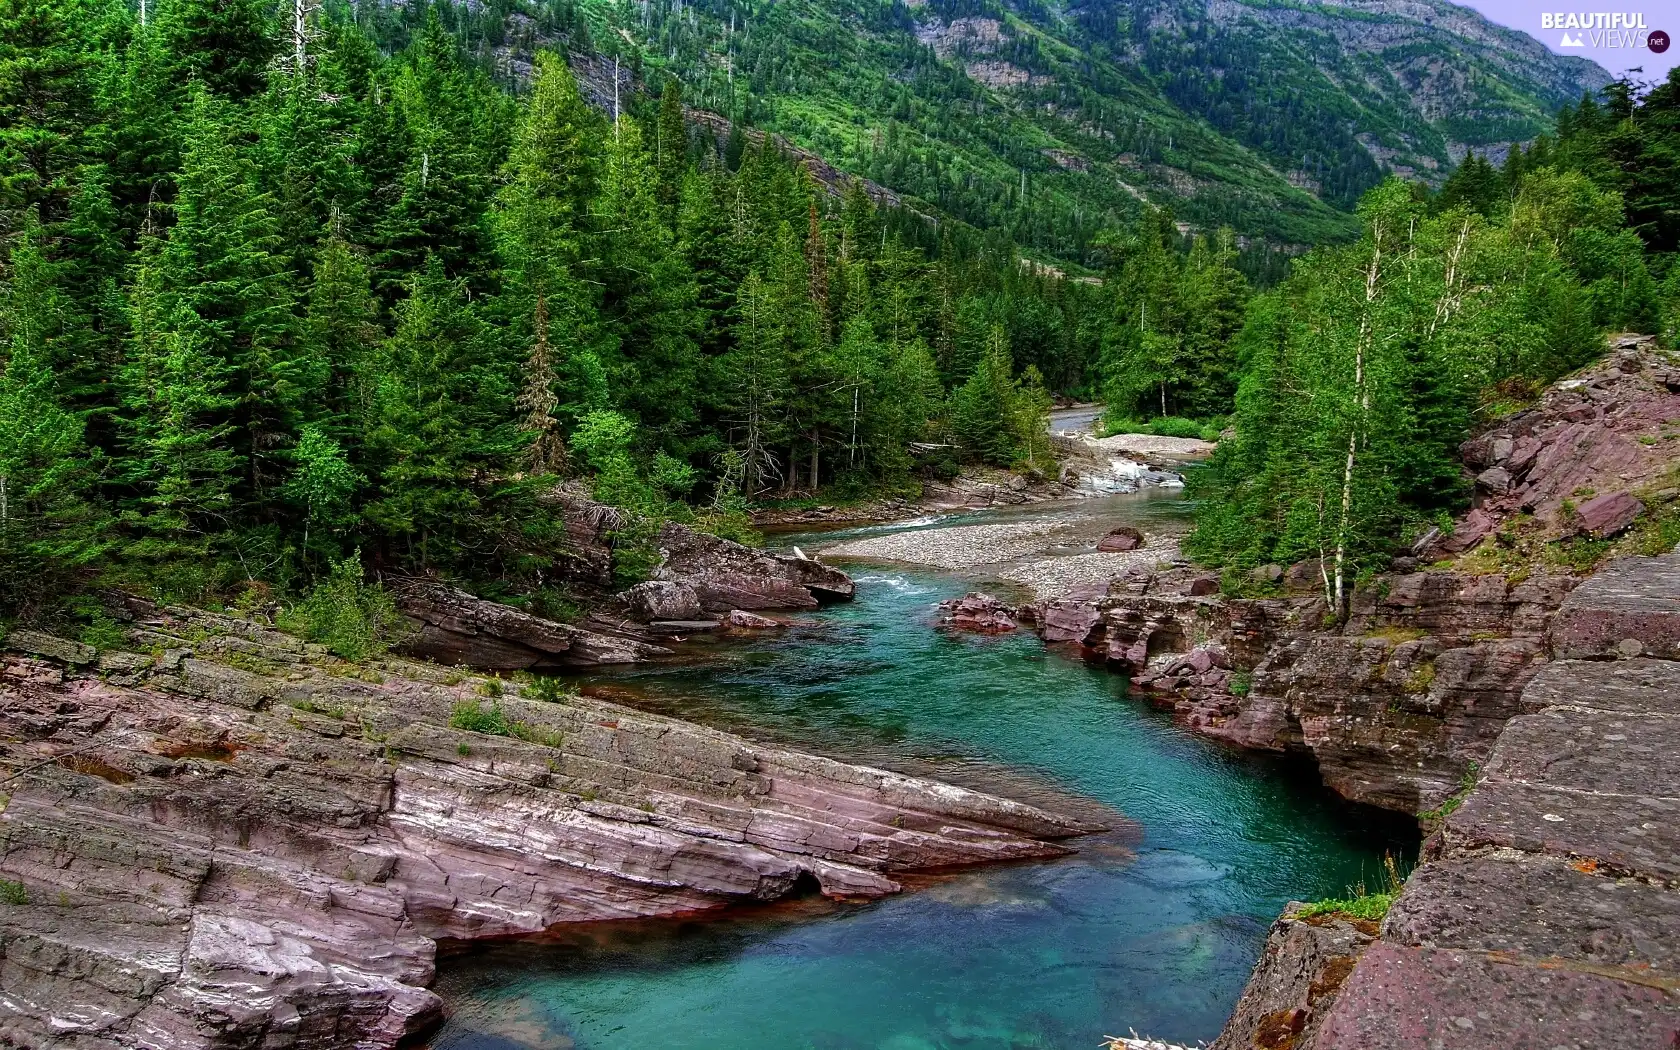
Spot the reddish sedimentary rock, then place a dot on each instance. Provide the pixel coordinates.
(457, 628)
(1395, 705)
(700, 581)
(1299, 975)
(977, 613)
(1547, 912)
(1572, 460)
(227, 838)
(1124, 538)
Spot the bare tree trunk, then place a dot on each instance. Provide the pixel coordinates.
(816, 448)
(851, 455)
(1362, 410)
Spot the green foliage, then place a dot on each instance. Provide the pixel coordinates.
(1370, 905)
(548, 689)
(353, 618)
(1361, 374)
(12, 892)
(104, 633)
(474, 717)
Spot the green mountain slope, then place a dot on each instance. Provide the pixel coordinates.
(1049, 121)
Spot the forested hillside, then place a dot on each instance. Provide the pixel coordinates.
(1362, 372)
(283, 288)
(270, 301)
(1052, 122)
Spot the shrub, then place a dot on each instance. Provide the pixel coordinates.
(355, 619)
(474, 718)
(13, 892)
(548, 689)
(1360, 903)
(1175, 427)
(104, 633)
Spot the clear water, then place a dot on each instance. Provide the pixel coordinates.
(1151, 928)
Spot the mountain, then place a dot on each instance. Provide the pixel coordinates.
(1048, 120)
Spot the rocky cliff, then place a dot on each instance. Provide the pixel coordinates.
(1406, 698)
(216, 835)
(1546, 912)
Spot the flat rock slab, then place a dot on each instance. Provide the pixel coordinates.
(1627, 835)
(1643, 686)
(1404, 998)
(1632, 601)
(1615, 752)
(1539, 907)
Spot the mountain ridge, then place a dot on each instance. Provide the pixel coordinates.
(1051, 122)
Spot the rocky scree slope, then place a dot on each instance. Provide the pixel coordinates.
(216, 835)
(1408, 697)
(1546, 912)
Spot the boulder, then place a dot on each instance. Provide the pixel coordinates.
(1494, 479)
(1124, 538)
(1266, 573)
(1609, 514)
(1203, 585)
(979, 613)
(454, 627)
(750, 621)
(662, 600)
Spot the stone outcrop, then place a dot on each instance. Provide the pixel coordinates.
(1572, 463)
(456, 628)
(1300, 973)
(977, 613)
(1406, 697)
(1547, 910)
(224, 837)
(700, 582)
(1395, 706)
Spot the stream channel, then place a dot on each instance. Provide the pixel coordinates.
(1152, 927)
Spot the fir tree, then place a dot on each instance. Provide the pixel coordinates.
(49, 529)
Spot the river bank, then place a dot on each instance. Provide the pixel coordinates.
(1153, 926)
(219, 836)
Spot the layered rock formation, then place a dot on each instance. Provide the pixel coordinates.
(1547, 910)
(700, 583)
(1403, 700)
(1396, 705)
(1571, 463)
(224, 837)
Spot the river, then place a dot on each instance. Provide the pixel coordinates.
(1152, 927)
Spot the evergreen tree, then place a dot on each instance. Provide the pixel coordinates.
(221, 262)
(984, 413)
(49, 529)
(225, 45)
(649, 295)
(45, 105)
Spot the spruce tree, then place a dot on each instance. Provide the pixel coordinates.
(46, 105)
(49, 528)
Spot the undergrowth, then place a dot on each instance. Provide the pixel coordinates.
(354, 619)
(1361, 902)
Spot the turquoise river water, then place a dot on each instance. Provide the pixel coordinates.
(1151, 928)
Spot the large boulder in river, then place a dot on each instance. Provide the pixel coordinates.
(977, 612)
(726, 575)
(723, 574)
